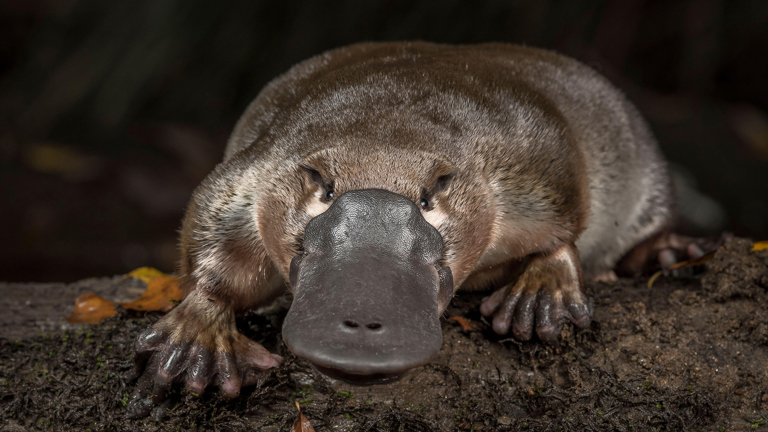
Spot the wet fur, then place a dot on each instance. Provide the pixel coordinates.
(545, 152)
(523, 155)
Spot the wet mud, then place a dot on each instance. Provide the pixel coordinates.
(688, 354)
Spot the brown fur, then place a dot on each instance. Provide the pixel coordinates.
(397, 117)
(532, 166)
(391, 136)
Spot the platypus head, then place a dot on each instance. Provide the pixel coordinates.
(367, 289)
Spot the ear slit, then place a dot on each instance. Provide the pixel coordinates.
(314, 174)
(442, 182)
(439, 185)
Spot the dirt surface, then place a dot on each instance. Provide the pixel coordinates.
(689, 354)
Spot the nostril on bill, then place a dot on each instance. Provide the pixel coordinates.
(351, 324)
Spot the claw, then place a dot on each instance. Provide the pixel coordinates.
(199, 369)
(171, 364)
(138, 406)
(503, 318)
(229, 378)
(667, 258)
(694, 251)
(159, 413)
(491, 303)
(159, 391)
(149, 340)
(194, 349)
(546, 295)
(581, 314)
(547, 325)
(522, 321)
(501, 323)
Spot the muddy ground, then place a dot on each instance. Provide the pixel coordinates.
(689, 354)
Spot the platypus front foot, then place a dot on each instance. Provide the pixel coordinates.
(197, 344)
(547, 294)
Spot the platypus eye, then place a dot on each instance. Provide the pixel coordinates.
(424, 203)
(329, 194)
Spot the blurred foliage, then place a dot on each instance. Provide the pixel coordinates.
(112, 112)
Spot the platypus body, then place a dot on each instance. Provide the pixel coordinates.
(377, 179)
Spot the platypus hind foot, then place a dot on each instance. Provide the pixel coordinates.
(667, 249)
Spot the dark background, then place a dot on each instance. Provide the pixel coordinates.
(112, 112)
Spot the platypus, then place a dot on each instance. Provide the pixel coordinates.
(375, 180)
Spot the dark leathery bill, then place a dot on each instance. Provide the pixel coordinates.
(366, 289)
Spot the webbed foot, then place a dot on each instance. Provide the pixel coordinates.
(667, 249)
(197, 344)
(547, 294)
(673, 248)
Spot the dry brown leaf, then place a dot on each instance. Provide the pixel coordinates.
(761, 245)
(161, 294)
(91, 309)
(465, 324)
(145, 274)
(302, 424)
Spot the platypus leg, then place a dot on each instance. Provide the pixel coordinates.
(666, 249)
(225, 270)
(547, 294)
(196, 344)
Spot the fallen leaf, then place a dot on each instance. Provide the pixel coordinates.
(465, 324)
(161, 294)
(761, 245)
(145, 274)
(91, 309)
(302, 424)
